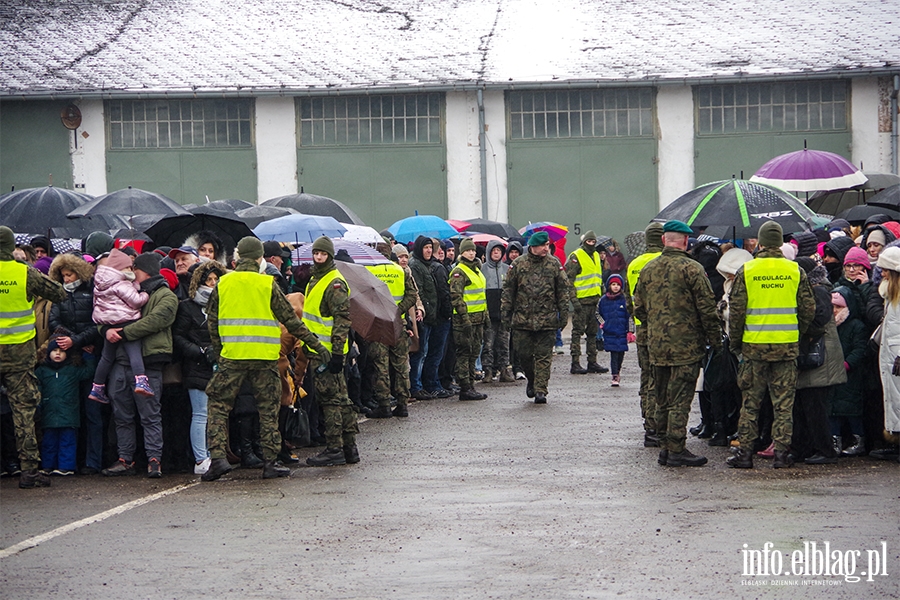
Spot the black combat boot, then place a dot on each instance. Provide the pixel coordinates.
(327, 458)
(577, 369)
(33, 478)
(273, 469)
(540, 398)
(529, 389)
(663, 457)
(783, 460)
(741, 459)
(468, 393)
(685, 458)
(401, 410)
(650, 439)
(351, 454)
(719, 438)
(593, 367)
(217, 468)
(382, 412)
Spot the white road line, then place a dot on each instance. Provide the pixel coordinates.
(39, 539)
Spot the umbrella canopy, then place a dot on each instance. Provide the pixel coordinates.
(228, 206)
(60, 245)
(372, 308)
(835, 201)
(635, 244)
(298, 228)
(889, 197)
(858, 215)
(84, 226)
(360, 253)
(503, 230)
(736, 208)
(173, 231)
(129, 203)
(37, 210)
(809, 171)
(408, 229)
(458, 225)
(554, 230)
(255, 215)
(310, 204)
(482, 239)
(362, 233)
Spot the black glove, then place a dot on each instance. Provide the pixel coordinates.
(210, 355)
(336, 364)
(895, 370)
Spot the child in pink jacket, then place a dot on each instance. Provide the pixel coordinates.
(117, 302)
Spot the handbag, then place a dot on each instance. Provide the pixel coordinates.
(812, 352)
(296, 427)
(171, 374)
(875, 339)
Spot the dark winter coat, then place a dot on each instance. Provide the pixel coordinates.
(615, 316)
(847, 399)
(74, 313)
(59, 383)
(424, 281)
(190, 336)
(440, 273)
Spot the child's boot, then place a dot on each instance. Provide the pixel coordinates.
(98, 393)
(142, 385)
(615, 381)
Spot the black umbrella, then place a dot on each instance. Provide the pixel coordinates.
(310, 204)
(737, 208)
(835, 201)
(129, 203)
(173, 231)
(255, 215)
(36, 210)
(858, 215)
(84, 226)
(221, 207)
(504, 230)
(888, 197)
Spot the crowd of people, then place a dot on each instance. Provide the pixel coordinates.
(119, 357)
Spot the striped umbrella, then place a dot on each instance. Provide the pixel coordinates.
(360, 253)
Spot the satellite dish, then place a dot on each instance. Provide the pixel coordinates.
(70, 117)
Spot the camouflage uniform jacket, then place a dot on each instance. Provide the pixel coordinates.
(410, 292)
(737, 316)
(458, 283)
(675, 302)
(535, 294)
(21, 357)
(282, 310)
(335, 304)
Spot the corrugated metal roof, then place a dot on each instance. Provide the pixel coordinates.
(273, 46)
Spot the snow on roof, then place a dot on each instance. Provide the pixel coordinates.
(272, 46)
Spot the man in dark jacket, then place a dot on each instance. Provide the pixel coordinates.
(420, 265)
(440, 329)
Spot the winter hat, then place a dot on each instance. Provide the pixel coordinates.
(653, 236)
(893, 227)
(838, 224)
(171, 278)
(538, 238)
(271, 249)
(890, 259)
(617, 278)
(118, 260)
(806, 243)
(97, 243)
(733, 260)
(400, 250)
(789, 250)
(250, 247)
(148, 263)
(857, 256)
(838, 299)
(343, 256)
(42, 241)
(468, 244)
(807, 264)
(324, 244)
(590, 235)
(771, 235)
(7, 240)
(877, 236)
(839, 247)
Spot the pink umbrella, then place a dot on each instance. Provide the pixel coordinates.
(458, 225)
(809, 171)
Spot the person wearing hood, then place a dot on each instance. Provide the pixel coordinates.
(42, 247)
(585, 272)
(469, 301)
(534, 304)
(242, 316)
(875, 238)
(848, 398)
(154, 332)
(20, 284)
(653, 235)
(98, 243)
(495, 353)
(833, 254)
(420, 265)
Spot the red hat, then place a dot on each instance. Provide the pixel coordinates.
(170, 277)
(857, 256)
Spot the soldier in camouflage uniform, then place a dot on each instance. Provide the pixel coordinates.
(468, 320)
(763, 307)
(19, 285)
(653, 238)
(674, 301)
(262, 374)
(534, 304)
(586, 293)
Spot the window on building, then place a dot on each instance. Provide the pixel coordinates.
(370, 120)
(179, 123)
(580, 114)
(772, 107)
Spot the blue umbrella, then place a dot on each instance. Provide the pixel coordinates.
(408, 229)
(299, 228)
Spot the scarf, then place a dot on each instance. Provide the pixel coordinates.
(71, 287)
(201, 296)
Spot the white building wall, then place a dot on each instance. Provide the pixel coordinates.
(675, 117)
(89, 158)
(276, 148)
(869, 147)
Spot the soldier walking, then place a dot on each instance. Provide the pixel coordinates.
(585, 270)
(771, 306)
(243, 313)
(534, 304)
(469, 300)
(674, 300)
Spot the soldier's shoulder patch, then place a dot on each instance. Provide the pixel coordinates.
(561, 268)
(456, 274)
(337, 285)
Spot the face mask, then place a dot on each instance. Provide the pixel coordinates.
(129, 275)
(71, 287)
(201, 296)
(262, 267)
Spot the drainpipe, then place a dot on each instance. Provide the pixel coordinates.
(482, 151)
(894, 125)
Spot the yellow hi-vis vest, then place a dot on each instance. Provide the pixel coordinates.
(474, 294)
(247, 326)
(394, 276)
(16, 310)
(634, 272)
(771, 301)
(320, 325)
(589, 282)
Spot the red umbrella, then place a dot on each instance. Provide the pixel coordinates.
(458, 225)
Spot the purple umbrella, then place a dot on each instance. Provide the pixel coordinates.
(809, 171)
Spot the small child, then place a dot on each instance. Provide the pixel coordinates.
(58, 377)
(117, 302)
(614, 313)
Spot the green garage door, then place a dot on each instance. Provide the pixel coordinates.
(383, 156)
(585, 159)
(740, 127)
(34, 146)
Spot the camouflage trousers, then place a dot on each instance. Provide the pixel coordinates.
(780, 378)
(24, 395)
(674, 394)
(584, 322)
(339, 414)
(648, 388)
(223, 389)
(468, 346)
(387, 361)
(535, 352)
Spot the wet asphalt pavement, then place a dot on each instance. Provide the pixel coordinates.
(493, 499)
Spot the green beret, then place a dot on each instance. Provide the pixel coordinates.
(539, 238)
(324, 244)
(677, 227)
(250, 247)
(466, 244)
